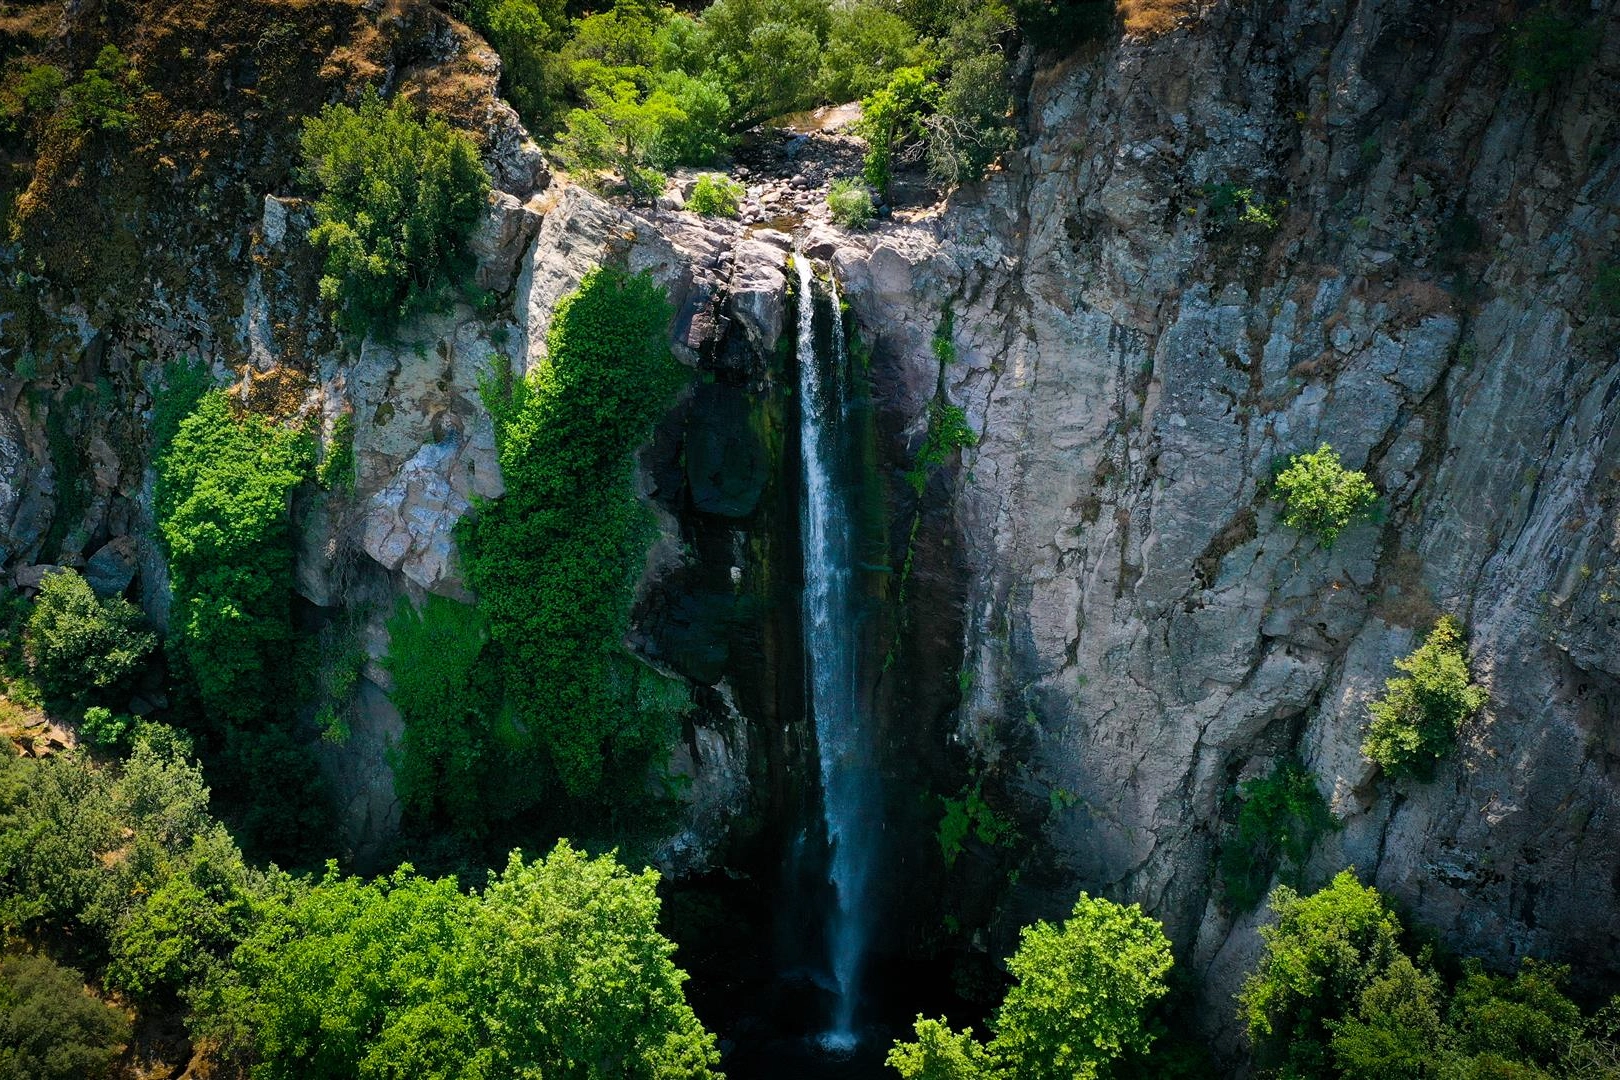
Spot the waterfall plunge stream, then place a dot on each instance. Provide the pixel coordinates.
(848, 778)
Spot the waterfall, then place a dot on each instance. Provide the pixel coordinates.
(848, 781)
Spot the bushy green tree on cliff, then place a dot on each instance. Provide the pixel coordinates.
(398, 195)
(1415, 721)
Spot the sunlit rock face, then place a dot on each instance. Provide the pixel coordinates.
(1141, 629)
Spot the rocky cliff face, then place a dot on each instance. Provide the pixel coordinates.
(1141, 631)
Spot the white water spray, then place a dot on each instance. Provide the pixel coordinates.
(847, 777)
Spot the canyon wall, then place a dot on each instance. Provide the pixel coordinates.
(1096, 614)
(1141, 630)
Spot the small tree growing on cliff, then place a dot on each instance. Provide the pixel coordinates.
(1415, 723)
(398, 196)
(1320, 496)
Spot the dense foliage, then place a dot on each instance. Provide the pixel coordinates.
(554, 560)
(1279, 818)
(80, 646)
(1415, 722)
(1336, 996)
(556, 969)
(224, 485)
(448, 691)
(1079, 1002)
(398, 195)
(850, 204)
(50, 1028)
(635, 88)
(1320, 496)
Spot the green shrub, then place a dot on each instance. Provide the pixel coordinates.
(968, 814)
(555, 559)
(336, 470)
(1279, 819)
(224, 486)
(1320, 496)
(50, 1026)
(1415, 722)
(397, 198)
(104, 729)
(714, 195)
(1546, 45)
(29, 92)
(103, 97)
(1242, 211)
(179, 386)
(81, 646)
(557, 966)
(621, 129)
(850, 203)
(1605, 298)
(948, 432)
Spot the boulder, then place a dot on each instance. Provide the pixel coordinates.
(758, 292)
(500, 241)
(110, 570)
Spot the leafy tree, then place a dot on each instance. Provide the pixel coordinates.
(971, 125)
(81, 646)
(56, 819)
(1396, 1031)
(1082, 992)
(1078, 1004)
(941, 1054)
(867, 44)
(554, 560)
(1320, 495)
(529, 36)
(1278, 822)
(556, 969)
(186, 926)
(891, 117)
(1320, 956)
(397, 198)
(102, 98)
(1416, 721)
(1525, 1019)
(766, 54)
(700, 133)
(222, 510)
(575, 970)
(620, 129)
(50, 1026)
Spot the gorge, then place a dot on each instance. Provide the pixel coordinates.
(954, 565)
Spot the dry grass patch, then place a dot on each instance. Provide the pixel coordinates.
(1148, 18)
